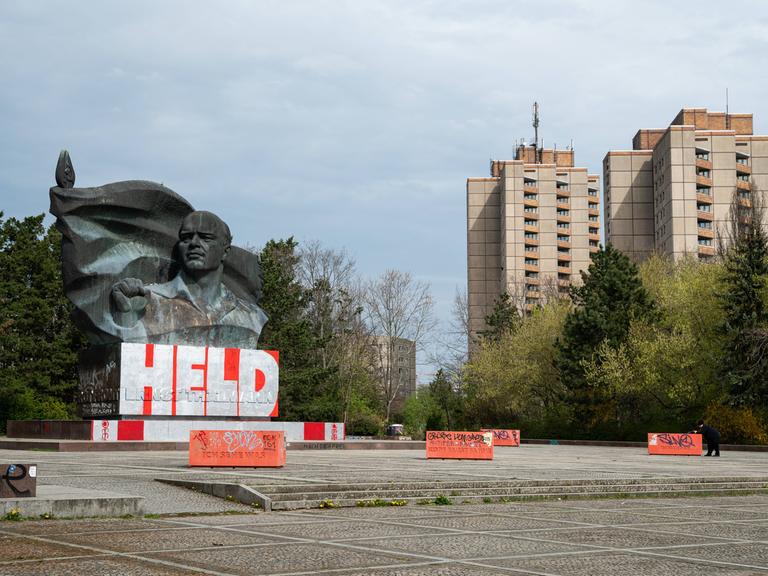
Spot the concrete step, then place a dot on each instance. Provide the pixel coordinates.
(299, 504)
(70, 502)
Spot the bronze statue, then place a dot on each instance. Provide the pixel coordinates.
(140, 265)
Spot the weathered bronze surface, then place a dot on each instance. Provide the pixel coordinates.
(140, 265)
(18, 480)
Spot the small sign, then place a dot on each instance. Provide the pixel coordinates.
(504, 437)
(460, 445)
(237, 448)
(674, 444)
(18, 480)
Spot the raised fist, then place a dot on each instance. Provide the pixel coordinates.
(124, 290)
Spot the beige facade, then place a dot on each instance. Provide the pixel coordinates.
(531, 228)
(672, 193)
(395, 368)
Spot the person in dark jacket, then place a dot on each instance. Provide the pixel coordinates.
(710, 436)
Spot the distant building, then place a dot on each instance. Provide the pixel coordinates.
(531, 229)
(672, 192)
(396, 368)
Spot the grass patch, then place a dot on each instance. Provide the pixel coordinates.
(328, 503)
(13, 515)
(376, 502)
(442, 500)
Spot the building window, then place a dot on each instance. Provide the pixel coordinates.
(531, 222)
(530, 209)
(529, 274)
(705, 224)
(593, 218)
(593, 230)
(705, 241)
(532, 235)
(706, 190)
(743, 177)
(592, 191)
(561, 238)
(563, 250)
(530, 196)
(532, 261)
(742, 159)
(529, 181)
(593, 243)
(561, 212)
(529, 248)
(531, 288)
(704, 207)
(702, 154)
(702, 172)
(744, 193)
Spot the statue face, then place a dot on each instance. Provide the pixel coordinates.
(203, 242)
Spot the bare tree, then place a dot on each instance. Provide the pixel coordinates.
(398, 308)
(452, 346)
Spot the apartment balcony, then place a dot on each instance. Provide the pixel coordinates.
(527, 189)
(563, 218)
(703, 181)
(564, 283)
(706, 233)
(563, 192)
(707, 250)
(534, 281)
(563, 244)
(531, 215)
(563, 205)
(704, 164)
(742, 185)
(564, 269)
(594, 249)
(532, 229)
(743, 168)
(746, 202)
(530, 307)
(593, 201)
(530, 202)
(594, 212)
(561, 256)
(595, 237)
(531, 241)
(704, 198)
(708, 216)
(531, 267)
(532, 294)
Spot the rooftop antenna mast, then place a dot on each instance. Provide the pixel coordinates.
(727, 115)
(536, 129)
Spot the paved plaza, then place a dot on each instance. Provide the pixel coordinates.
(186, 532)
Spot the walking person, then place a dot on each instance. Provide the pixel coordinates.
(711, 437)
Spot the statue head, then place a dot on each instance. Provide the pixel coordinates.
(204, 242)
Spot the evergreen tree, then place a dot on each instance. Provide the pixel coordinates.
(742, 298)
(502, 320)
(610, 297)
(308, 391)
(38, 341)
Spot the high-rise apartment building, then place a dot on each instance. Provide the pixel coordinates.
(395, 368)
(672, 192)
(531, 228)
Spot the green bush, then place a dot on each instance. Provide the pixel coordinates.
(736, 425)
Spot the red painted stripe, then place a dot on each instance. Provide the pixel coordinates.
(173, 382)
(204, 387)
(149, 356)
(314, 430)
(232, 371)
(147, 401)
(275, 354)
(273, 414)
(130, 430)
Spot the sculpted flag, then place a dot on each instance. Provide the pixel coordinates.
(130, 230)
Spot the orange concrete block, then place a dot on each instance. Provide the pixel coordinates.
(237, 448)
(674, 444)
(460, 445)
(504, 437)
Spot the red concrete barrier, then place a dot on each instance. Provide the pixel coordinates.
(236, 448)
(674, 444)
(460, 445)
(504, 437)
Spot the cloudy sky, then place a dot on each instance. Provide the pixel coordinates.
(357, 122)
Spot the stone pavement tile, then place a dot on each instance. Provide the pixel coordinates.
(342, 529)
(389, 512)
(260, 518)
(733, 530)
(484, 523)
(754, 554)
(613, 564)
(453, 569)
(46, 527)
(461, 546)
(283, 558)
(100, 566)
(719, 514)
(615, 537)
(164, 539)
(604, 517)
(623, 504)
(21, 548)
